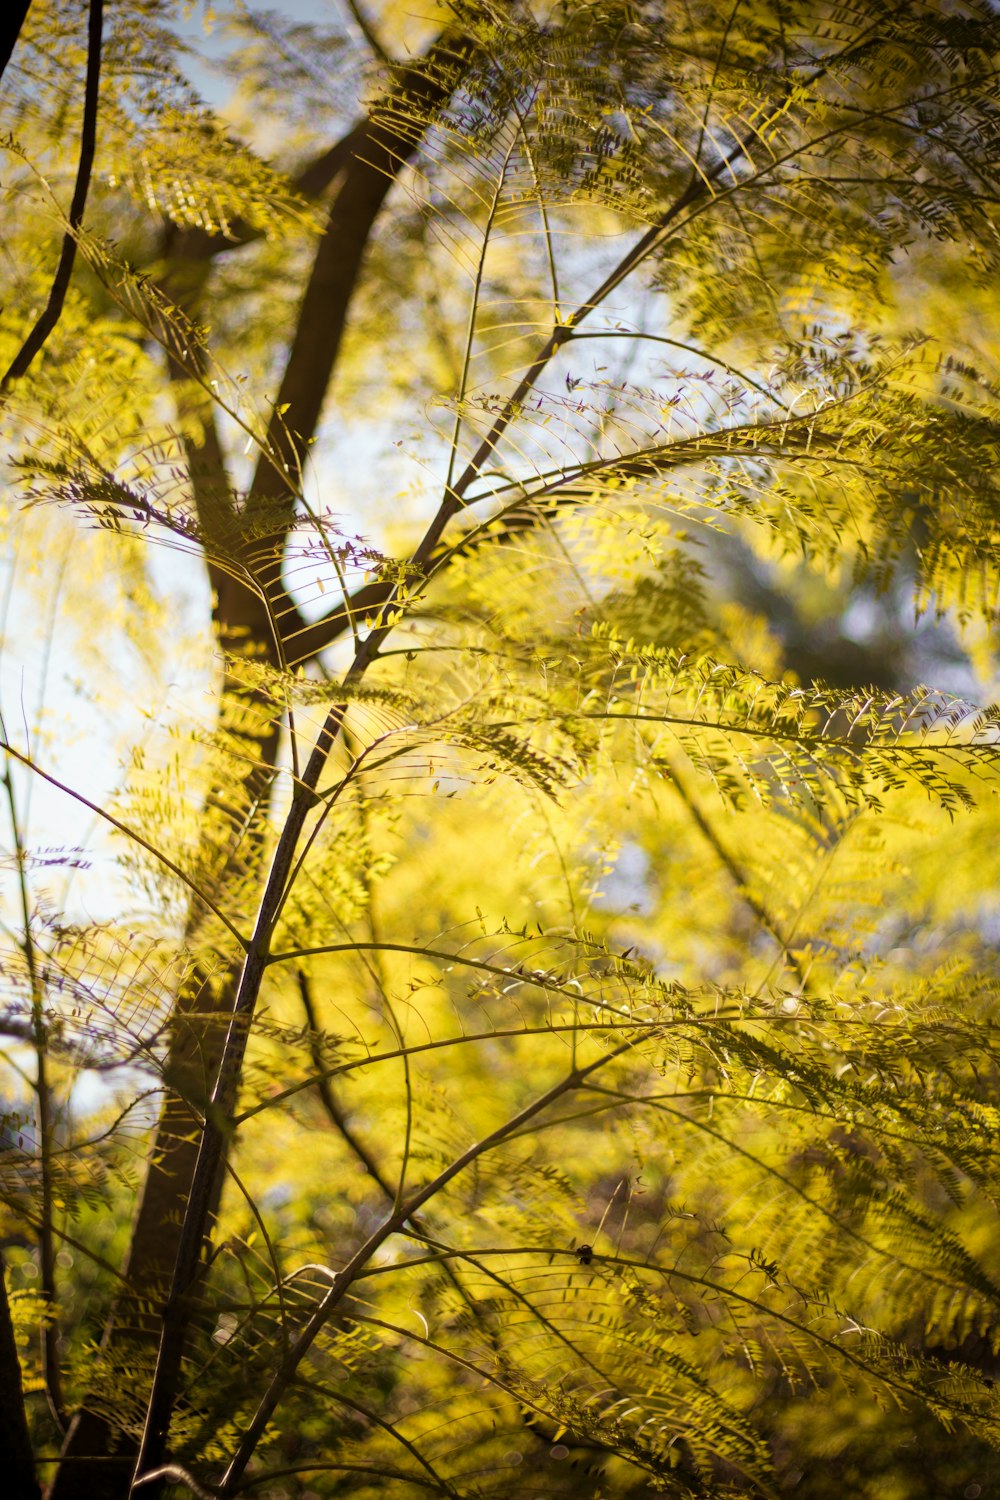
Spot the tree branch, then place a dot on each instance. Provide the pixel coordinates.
(11, 30)
(392, 1225)
(195, 244)
(377, 149)
(334, 1113)
(44, 1119)
(310, 639)
(739, 877)
(64, 270)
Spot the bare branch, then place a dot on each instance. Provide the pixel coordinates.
(130, 833)
(64, 270)
(324, 1089)
(739, 877)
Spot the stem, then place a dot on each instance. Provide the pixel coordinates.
(129, 833)
(739, 878)
(470, 332)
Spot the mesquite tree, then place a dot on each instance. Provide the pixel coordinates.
(535, 1033)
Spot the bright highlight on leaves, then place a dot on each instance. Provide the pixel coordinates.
(497, 985)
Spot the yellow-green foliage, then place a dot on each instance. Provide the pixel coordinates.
(622, 1075)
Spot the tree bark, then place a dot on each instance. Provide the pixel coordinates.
(15, 1443)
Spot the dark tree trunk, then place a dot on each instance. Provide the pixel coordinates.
(365, 164)
(19, 1482)
(10, 30)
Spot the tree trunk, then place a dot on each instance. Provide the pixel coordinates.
(367, 162)
(104, 1428)
(10, 30)
(15, 1444)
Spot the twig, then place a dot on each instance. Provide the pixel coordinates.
(739, 878)
(337, 1118)
(130, 833)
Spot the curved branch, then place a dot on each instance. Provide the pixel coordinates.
(64, 270)
(289, 1366)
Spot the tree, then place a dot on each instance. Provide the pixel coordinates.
(671, 1168)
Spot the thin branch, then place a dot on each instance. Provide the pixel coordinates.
(389, 1227)
(368, 31)
(572, 1029)
(334, 1113)
(382, 594)
(51, 1369)
(978, 1274)
(337, 1118)
(130, 833)
(17, 1207)
(272, 1253)
(491, 1376)
(379, 1471)
(477, 286)
(834, 1347)
(10, 30)
(372, 1416)
(738, 876)
(659, 338)
(88, 140)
